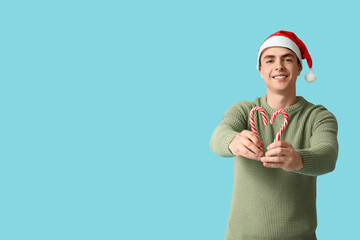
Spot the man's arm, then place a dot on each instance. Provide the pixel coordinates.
(232, 124)
(319, 159)
(231, 137)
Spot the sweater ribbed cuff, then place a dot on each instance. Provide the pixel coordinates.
(226, 142)
(307, 160)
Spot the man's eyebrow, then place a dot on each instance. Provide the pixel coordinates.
(269, 56)
(283, 56)
(288, 55)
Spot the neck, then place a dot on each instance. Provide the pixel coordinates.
(277, 101)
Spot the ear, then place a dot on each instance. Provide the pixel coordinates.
(261, 73)
(299, 69)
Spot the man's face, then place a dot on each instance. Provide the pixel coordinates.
(279, 69)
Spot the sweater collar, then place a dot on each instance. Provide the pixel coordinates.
(293, 108)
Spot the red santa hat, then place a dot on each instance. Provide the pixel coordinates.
(291, 41)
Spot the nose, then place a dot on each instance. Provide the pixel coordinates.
(279, 65)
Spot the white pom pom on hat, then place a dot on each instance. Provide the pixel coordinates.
(291, 41)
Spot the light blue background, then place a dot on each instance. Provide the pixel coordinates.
(107, 109)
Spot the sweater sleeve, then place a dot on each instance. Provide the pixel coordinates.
(321, 157)
(233, 122)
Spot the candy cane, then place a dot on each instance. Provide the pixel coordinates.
(252, 123)
(286, 119)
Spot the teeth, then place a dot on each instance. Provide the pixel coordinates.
(279, 77)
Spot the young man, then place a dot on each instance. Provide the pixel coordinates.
(274, 195)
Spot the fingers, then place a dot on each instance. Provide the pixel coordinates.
(273, 162)
(250, 145)
(247, 144)
(274, 159)
(240, 149)
(279, 149)
(272, 165)
(252, 142)
(253, 138)
(277, 152)
(279, 144)
(245, 152)
(282, 155)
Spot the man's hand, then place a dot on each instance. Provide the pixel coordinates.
(247, 144)
(282, 155)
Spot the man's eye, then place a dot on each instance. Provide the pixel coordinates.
(288, 60)
(269, 61)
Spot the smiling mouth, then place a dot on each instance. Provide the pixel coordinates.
(280, 77)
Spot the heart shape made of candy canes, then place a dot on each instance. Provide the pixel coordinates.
(263, 114)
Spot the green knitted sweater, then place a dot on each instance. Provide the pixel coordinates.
(270, 203)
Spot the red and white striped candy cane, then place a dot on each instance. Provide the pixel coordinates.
(286, 119)
(252, 123)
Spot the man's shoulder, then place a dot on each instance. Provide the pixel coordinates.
(313, 106)
(317, 110)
